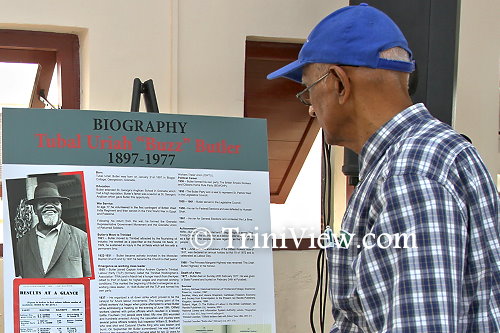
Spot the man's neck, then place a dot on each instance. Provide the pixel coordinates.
(45, 229)
(372, 117)
(376, 97)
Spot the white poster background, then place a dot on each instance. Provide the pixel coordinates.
(141, 220)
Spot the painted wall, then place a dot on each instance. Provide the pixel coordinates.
(477, 92)
(212, 45)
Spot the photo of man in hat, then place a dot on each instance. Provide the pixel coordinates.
(52, 248)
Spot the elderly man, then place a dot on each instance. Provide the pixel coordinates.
(52, 249)
(417, 176)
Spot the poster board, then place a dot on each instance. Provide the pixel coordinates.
(149, 202)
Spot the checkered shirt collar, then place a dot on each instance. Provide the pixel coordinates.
(384, 137)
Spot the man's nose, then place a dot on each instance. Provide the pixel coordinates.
(311, 111)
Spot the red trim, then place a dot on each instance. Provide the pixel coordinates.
(18, 282)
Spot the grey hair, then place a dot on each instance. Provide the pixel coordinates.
(395, 53)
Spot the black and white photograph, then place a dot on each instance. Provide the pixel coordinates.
(49, 226)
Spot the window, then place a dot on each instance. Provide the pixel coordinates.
(54, 53)
(18, 83)
(291, 135)
(45, 58)
(39, 63)
(291, 131)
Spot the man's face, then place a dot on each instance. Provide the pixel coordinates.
(325, 103)
(318, 96)
(49, 211)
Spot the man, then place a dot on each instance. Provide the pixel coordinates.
(417, 176)
(52, 248)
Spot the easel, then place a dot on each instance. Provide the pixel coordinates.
(146, 88)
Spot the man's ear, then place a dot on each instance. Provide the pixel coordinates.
(342, 83)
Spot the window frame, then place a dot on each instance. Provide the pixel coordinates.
(65, 47)
(49, 49)
(288, 150)
(291, 131)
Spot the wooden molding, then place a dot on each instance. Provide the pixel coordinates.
(66, 48)
(291, 131)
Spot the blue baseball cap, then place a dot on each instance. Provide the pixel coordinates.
(353, 35)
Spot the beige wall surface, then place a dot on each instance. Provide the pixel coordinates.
(477, 91)
(212, 45)
(294, 283)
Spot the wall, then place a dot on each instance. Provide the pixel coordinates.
(294, 283)
(477, 94)
(212, 45)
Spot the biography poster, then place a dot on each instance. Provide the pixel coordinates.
(135, 222)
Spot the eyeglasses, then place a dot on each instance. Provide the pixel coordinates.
(303, 96)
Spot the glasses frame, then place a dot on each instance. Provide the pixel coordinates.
(299, 94)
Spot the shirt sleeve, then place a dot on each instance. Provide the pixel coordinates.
(409, 271)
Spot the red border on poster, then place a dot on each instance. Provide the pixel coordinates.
(45, 281)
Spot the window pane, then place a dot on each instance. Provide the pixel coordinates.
(53, 96)
(302, 209)
(17, 82)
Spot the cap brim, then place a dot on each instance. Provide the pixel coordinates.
(292, 71)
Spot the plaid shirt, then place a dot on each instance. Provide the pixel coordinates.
(419, 177)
